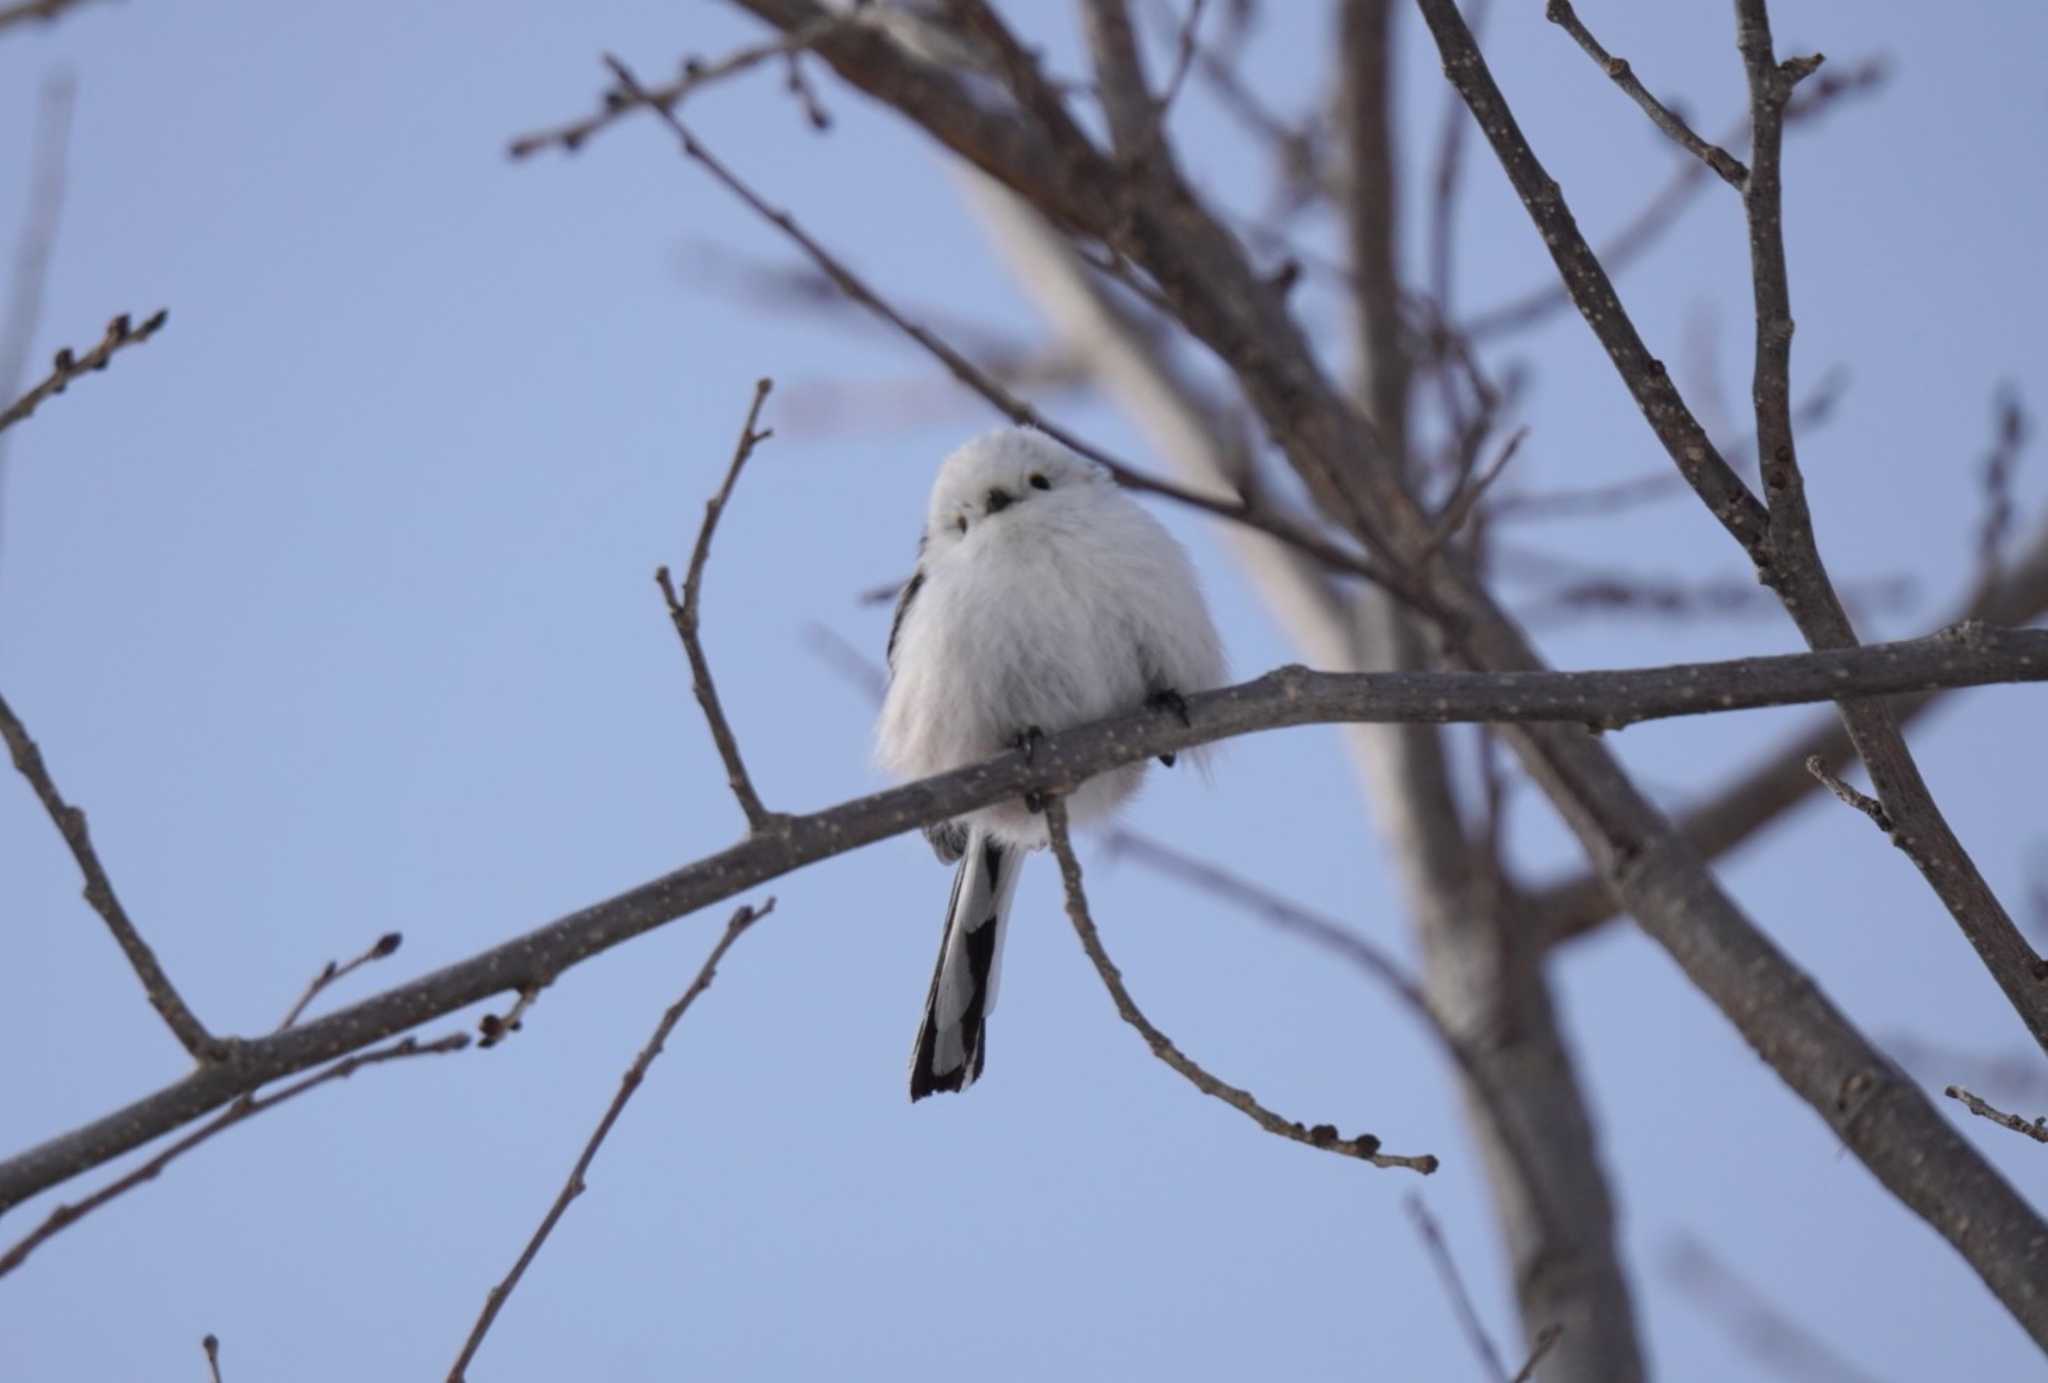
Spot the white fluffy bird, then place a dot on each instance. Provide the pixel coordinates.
(1044, 598)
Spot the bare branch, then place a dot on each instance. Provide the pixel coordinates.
(1454, 1286)
(2009, 439)
(1217, 295)
(67, 366)
(684, 615)
(99, 892)
(1014, 408)
(385, 945)
(1779, 539)
(1742, 808)
(1546, 1340)
(569, 136)
(1790, 561)
(245, 1107)
(43, 11)
(1769, 1334)
(1848, 795)
(1458, 508)
(1288, 696)
(637, 1072)
(1662, 210)
(1365, 1147)
(2037, 1130)
(1698, 460)
(1727, 166)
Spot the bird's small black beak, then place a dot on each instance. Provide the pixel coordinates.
(999, 500)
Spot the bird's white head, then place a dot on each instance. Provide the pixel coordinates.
(1015, 470)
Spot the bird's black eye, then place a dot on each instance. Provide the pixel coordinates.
(1039, 482)
(961, 523)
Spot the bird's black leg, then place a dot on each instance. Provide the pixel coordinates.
(1026, 743)
(1167, 699)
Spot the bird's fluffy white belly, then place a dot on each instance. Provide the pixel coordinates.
(1034, 633)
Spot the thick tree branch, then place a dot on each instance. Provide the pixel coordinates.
(683, 614)
(494, 1301)
(1364, 1147)
(1288, 696)
(99, 892)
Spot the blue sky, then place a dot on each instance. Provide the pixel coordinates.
(332, 605)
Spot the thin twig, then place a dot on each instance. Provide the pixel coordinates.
(1458, 508)
(1661, 211)
(211, 1344)
(2008, 440)
(243, 1108)
(1725, 164)
(684, 616)
(569, 136)
(68, 366)
(1184, 57)
(1546, 1339)
(1012, 407)
(1848, 794)
(575, 1185)
(385, 945)
(99, 892)
(1774, 1338)
(1454, 1286)
(1365, 1147)
(2037, 1130)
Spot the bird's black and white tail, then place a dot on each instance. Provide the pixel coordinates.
(951, 1045)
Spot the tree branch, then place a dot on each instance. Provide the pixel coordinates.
(1725, 165)
(1740, 809)
(570, 135)
(684, 616)
(120, 334)
(1364, 1147)
(245, 1107)
(192, 1035)
(494, 1301)
(1779, 539)
(1201, 268)
(1014, 408)
(1792, 564)
(1432, 1237)
(2037, 1130)
(1288, 696)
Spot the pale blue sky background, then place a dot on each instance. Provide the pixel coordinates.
(332, 604)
